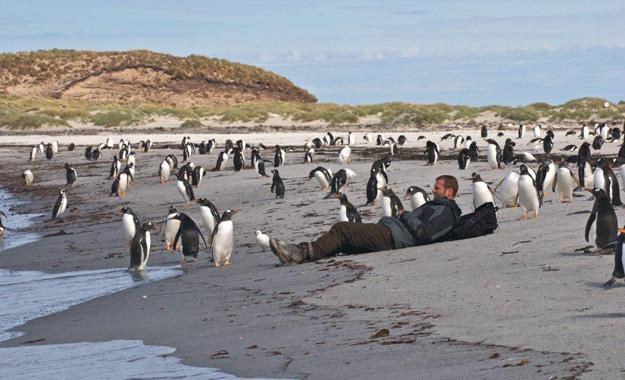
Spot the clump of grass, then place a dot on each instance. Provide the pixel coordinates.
(113, 119)
(192, 123)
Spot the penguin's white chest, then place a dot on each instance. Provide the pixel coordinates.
(509, 189)
(223, 241)
(528, 197)
(386, 206)
(343, 214)
(599, 179)
(323, 181)
(63, 205)
(182, 190)
(481, 194)
(208, 219)
(123, 182)
(491, 154)
(565, 182)
(536, 131)
(417, 200)
(171, 228)
(621, 170)
(551, 175)
(146, 252)
(129, 226)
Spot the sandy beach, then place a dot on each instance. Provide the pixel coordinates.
(524, 302)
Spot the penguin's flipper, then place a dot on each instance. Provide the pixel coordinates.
(177, 237)
(591, 219)
(555, 181)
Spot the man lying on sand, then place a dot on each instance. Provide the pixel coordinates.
(429, 223)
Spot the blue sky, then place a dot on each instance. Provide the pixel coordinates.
(361, 52)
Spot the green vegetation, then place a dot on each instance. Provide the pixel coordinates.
(33, 112)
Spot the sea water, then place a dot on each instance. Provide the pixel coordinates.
(14, 223)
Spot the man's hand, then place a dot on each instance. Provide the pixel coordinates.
(398, 215)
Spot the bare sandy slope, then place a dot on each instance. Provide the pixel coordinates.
(521, 303)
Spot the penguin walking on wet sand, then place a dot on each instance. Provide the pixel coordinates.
(170, 228)
(309, 156)
(196, 175)
(238, 160)
(345, 155)
(619, 271)
(520, 131)
(564, 183)
(530, 198)
(347, 211)
(391, 204)
(185, 189)
(279, 157)
(210, 215)
(33, 154)
(140, 246)
(130, 223)
(374, 185)
(189, 234)
(49, 152)
(493, 154)
(508, 151)
(431, 152)
(223, 238)
(129, 170)
(277, 184)
(163, 171)
(322, 175)
(122, 184)
(508, 189)
(259, 164)
(116, 166)
(28, 177)
(605, 220)
(340, 180)
(418, 197)
(481, 192)
(60, 205)
(70, 175)
(222, 159)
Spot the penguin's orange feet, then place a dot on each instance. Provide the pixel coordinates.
(216, 264)
(227, 262)
(523, 217)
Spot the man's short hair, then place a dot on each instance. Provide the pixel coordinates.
(450, 182)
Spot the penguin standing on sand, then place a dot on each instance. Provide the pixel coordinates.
(537, 130)
(606, 222)
(530, 198)
(309, 156)
(604, 178)
(564, 183)
(28, 177)
(223, 238)
(189, 235)
(619, 271)
(484, 131)
(60, 205)
(70, 175)
(347, 211)
(493, 153)
(164, 171)
(185, 189)
(222, 159)
(209, 214)
(196, 175)
(259, 164)
(431, 152)
(323, 176)
(170, 228)
(548, 143)
(122, 184)
(140, 247)
(481, 192)
(545, 176)
(277, 184)
(49, 152)
(33, 154)
(374, 185)
(508, 151)
(345, 155)
(238, 160)
(116, 166)
(130, 223)
(521, 131)
(391, 204)
(340, 180)
(508, 189)
(458, 142)
(418, 197)
(279, 157)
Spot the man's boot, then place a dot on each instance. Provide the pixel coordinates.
(290, 254)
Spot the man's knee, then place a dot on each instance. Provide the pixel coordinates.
(340, 227)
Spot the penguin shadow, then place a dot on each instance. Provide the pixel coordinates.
(602, 285)
(602, 315)
(138, 276)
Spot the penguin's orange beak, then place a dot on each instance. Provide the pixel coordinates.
(407, 196)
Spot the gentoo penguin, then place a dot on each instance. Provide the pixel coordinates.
(393, 149)
(277, 184)
(537, 130)
(598, 142)
(262, 241)
(340, 180)
(620, 162)
(33, 154)
(508, 189)
(42, 147)
(458, 142)
(323, 176)
(130, 223)
(464, 158)
(129, 169)
(548, 144)
(2, 214)
(345, 155)
(209, 214)
(309, 156)
(368, 138)
(570, 148)
(606, 222)
(223, 241)
(55, 146)
(493, 153)
(164, 171)
(431, 152)
(545, 175)
(521, 130)
(196, 175)
(508, 151)
(604, 178)
(351, 140)
(60, 205)
(49, 151)
(619, 271)
(172, 161)
(116, 166)
(70, 175)
(170, 228)
(189, 235)
(374, 185)
(123, 153)
(584, 132)
(530, 198)
(122, 184)
(317, 142)
(132, 159)
(347, 211)
(401, 140)
(391, 204)
(484, 131)
(185, 189)
(238, 160)
(279, 157)
(222, 159)
(228, 146)
(28, 177)
(381, 165)
(418, 197)
(241, 145)
(481, 192)
(604, 130)
(379, 140)
(259, 164)
(570, 132)
(564, 183)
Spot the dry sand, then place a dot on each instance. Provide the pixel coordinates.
(521, 303)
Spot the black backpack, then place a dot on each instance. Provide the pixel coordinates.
(482, 221)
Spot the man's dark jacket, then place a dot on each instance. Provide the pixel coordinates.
(428, 223)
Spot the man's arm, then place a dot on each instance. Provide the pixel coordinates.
(434, 226)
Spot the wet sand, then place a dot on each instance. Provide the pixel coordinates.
(520, 303)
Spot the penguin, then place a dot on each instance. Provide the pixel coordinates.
(368, 137)
(49, 152)
(222, 159)
(447, 136)
(262, 241)
(508, 190)
(530, 198)
(209, 214)
(187, 151)
(129, 169)
(493, 153)
(89, 153)
(570, 148)
(431, 152)
(123, 153)
(115, 187)
(309, 156)
(620, 162)
(481, 192)
(240, 144)
(345, 155)
(351, 140)
(464, 159)
(196, 175)
(70, 175)
(391, 204)
(60, 205)
(604, 178)
(2, 214)
(401, 140)
(393, 149)
(55, 146)
(458, 142)
(170, 228)
(223, 239)
(379, 140)
(381, 165)
(122, 184)
(317, 143)
(484, 131)
(130, 223)
(537, 130)
(323, 176)
(340, 180)
(238, 160)
(545, 176)
(508, 151)
(564, 183)
(584, 132)
(33, 154)
(277, 184)
(28, 177)
(618, 259)
(603, 131)
(164, 171)
(42, 148)
(185, 189)
(418, 197)
(598, 142)
(210, 145)
(548, 144)
(115, 168)
(259, 164)
(570, 132)
(606, 222)
(279, 157)
(189, 234)
(374, 185)
(521, 131)
(172, 161)
(132, 159)
(347, 211)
